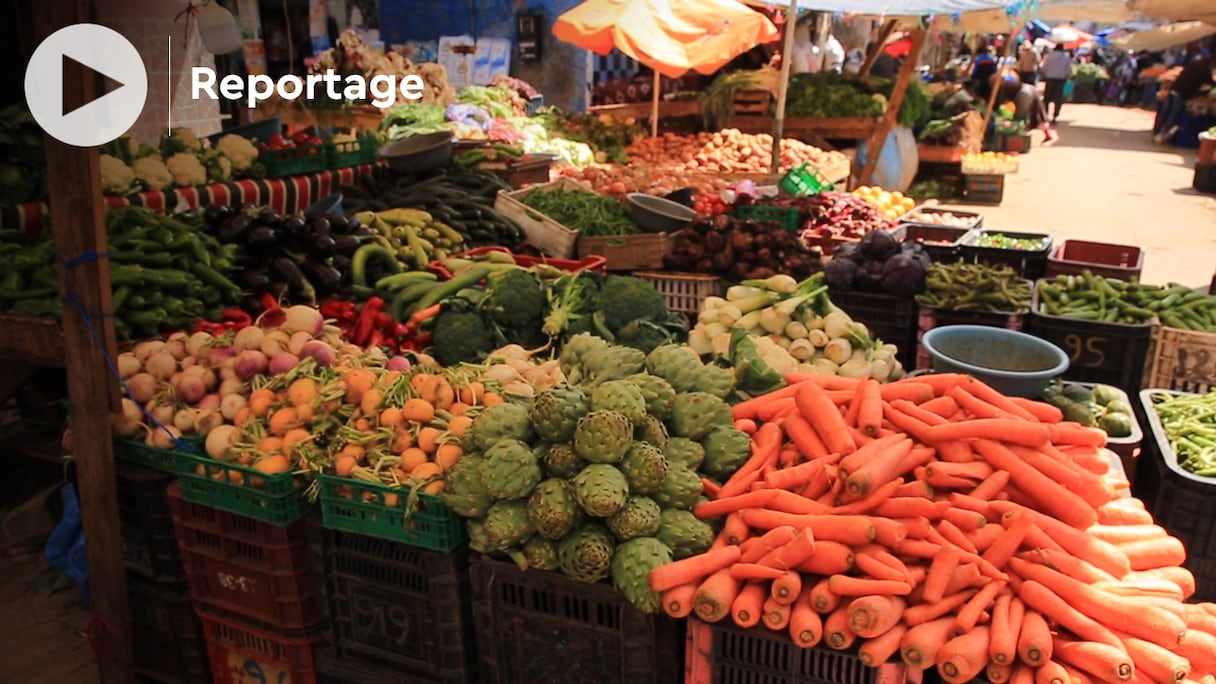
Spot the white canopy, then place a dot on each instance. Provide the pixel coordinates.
(1100, 11)
(1162, 37)
(1175, 10)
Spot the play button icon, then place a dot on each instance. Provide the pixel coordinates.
(99, 52)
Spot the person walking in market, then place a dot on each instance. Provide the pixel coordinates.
(1056, 70)
(1028, 64)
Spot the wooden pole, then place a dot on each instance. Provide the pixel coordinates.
(783, 85)
(883, 34)
(654, 109)
(77, 210)
(996, 87)
(887, 122)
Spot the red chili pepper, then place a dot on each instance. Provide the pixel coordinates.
(236, 317)
(366, 320)
(268, 302)
(342, 312)
(385, 323)
(376, 339)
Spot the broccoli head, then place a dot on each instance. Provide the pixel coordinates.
(461, 336)
(515, 299)
(646, 334)
(573, 300)
(626, 298)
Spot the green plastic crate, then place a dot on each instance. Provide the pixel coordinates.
(432, 526)
(787, 217)
(164, 460)
(293, 161)
(280, 500)
(350, 153)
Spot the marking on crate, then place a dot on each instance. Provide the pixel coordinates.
(1084, 351)
(249, 671)
(373, 620)
(240, 583)
(1201, 371)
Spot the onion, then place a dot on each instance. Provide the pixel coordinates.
(282, 362)
(163, 437)
(183, 420)
(189, 387)
(209, 402)
(301, 318)
(198, 343)
(274, 342)
(248, 338)
(127, 364)
(176, 347)
(249, 363)
(206, 421)
(323, 353)
(232, 386)
(398, 363)
(161, 365)
(230, 404)
(147, 348)
(129, 421)
(297, 342)
(142, 387)
(220, 440)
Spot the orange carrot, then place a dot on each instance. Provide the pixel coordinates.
(956, 451)
(850, 505)
(998, 674)
(920, 548)
(1106, 662)
(986, 393)
(1055, 608)
(789, 502)
(992, 485)
(873, 568)
(746, 425)
(920, 645)
(942, 406)
(1041, 410)
(919, 413)
(1016, 525)
(734, 530)
(754, 571)
(787, 587)
(967, 502)
(756, 499)
(969, 615)
(869, 412)
(954, 535)
(677, 601)
(1003, 429)
(853, 408)
(1125, 511)
(941, 382)
(776, 614)
(747, 409)
(876, 651)
(880, 469)
(843, 585)
(915, 488)
(836, 632)
(1156, 663)
(976, 407)
(911, 507)
(1197, 618)
(965, 520)
(926, 612)
(792, 554)
(748, 607)
(1144, 584)
(775, 538)
(692, 568)
(1149, 554)
(827, 382)
(943, 481)
(769, 413)
(1034, 639)
(1116, 612)
(1077, 434)
(984, 537)
(716, 594)
(821, 597)
(963, 658)
(1051, 496)
(1182, 577)
(975, 470)
(1052, 673)
(793, 477)
(824, 417)
(940, 571)
(855, 460)
(1037, 539)
(806, 627)
(854, 530)
(968, 575)
(887, 532)
(905, 423)
(804, 437)
(1006, 623)
(1125, 534)
(1083, 483)
(1200, 649)
(870, 616)
(830, 558)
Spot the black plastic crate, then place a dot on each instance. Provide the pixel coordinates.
(1108, 353)
(931, 317)
(983, 189)
(1180, 502)
(1205, 178)
(538, 626)
(943, 244)
(723, 653)
(149, 543)
(395, 607)
(1027, 263)
(890, 318)
(348, 669)
(169, 639)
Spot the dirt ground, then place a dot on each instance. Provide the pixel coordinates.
(1104, 180)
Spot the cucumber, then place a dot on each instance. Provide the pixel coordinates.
(408, 296)
(397, 281)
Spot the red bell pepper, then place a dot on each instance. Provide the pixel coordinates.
(366, 321)
(236, 318)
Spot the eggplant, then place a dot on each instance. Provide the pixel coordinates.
(262, 237)
(345, 245)
(338, 224)
(325, 278)
(316, 224)
(363, 232)
(234, 228)
(322, 245)
(252, 280)
(342, 263)
(278, 288)
(216, 213)
(269, 217)
(294, 277)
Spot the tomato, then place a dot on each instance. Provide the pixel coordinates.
(701, 208)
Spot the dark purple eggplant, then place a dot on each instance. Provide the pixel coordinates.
(269, 217)
(215, 213)
(252, 280)
(294, 277)
(317, 224)
(363, 232)
(346, 245)
(234, 228)
(325, 278)
(342, 263)
(263, 237)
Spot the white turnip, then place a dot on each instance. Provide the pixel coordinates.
(231, 386)
(216, 356)
(321, 352)
(282, 362)
(249, 363)
(161, 365)
(189, 387)
(209, 402)
(198, 343)
(127, 364)
(147, 348)
(128, 422)
(297, 342)
(188, 361)
(301, 318)
(275, 342)
(398, 363)
(206, 421)
(163, 437)
(161, 413)
(142, 387)
(183, 420)
(176, 346)
(220, 440)
(230, 404)
(248, 338)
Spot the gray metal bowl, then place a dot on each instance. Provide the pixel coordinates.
(418, 153)
(657, 215)
(1011, 362)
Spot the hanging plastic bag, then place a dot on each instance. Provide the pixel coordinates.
(65, 547)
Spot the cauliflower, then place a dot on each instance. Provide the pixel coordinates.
(239, 151)
(187, 170)
(152, 172)
(116, 177)
(179, 139)
(219, 168)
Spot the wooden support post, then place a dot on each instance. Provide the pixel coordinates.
(996, 87)
(879, 137)
(883, 34)
(77, 211)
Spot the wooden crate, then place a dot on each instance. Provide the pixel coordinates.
(628, 252)
(1181, 360)
(940, 154)
(752, 102)
(543, 233)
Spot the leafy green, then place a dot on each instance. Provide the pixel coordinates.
(410, 119)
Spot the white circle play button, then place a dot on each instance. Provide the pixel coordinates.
(98, 51)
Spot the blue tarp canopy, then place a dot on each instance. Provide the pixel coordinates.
(1037, 29)
(901, 8)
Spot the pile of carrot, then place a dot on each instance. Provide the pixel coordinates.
(938, 521)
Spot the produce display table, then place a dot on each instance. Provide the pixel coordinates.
(813, 130)
(668, 109)
(285, 195)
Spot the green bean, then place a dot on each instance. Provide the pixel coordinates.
(1189, 424)
(589, 213)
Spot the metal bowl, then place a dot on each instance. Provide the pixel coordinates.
(418, 153)
(1011, 362)
(330, 204)
(657, 215)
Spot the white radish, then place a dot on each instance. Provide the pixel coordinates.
(231, 404)
(142, 387)
(198, 343)
(127, 364)
(220, 440)
(161, 365)
(147, 348)
(183, 420)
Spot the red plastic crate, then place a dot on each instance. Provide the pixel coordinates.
(244, 653)
(247, 566)
(589, 263)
